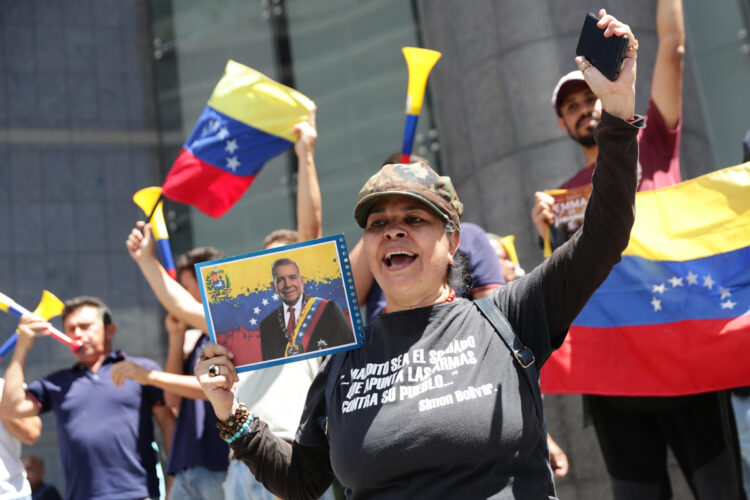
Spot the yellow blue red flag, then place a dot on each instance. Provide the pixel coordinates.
(673, 317)
(248, 120)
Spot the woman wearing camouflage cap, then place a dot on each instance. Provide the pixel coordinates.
(439, 403)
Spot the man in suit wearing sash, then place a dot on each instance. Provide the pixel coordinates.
(302, 323)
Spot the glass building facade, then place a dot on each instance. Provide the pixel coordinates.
(344, 55)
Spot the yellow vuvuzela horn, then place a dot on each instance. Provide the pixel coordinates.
(420, 62)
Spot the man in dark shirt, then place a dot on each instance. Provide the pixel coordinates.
(302, 323)
(105, 432)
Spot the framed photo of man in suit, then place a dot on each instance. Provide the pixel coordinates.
(282, 304)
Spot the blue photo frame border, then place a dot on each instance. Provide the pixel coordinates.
(346, 276)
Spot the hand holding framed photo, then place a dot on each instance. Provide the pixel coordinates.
(282, 304)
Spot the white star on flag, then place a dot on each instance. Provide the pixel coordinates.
(275, 297)
(223, 133)
(233, 163)
(661, 291)
(231, 146)
(708, 282)
(253, 321)
(675, 281)
(256, 310)
(265, 302)
(728, 304)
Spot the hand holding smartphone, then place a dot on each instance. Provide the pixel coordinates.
(606, 54)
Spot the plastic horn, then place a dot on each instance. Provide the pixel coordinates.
(11, 307)
(420, 63)
(508, 243)
(149, 199)
(49, 307)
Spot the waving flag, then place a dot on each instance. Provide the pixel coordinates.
(248, 120)
(149, 200)
(673, 317)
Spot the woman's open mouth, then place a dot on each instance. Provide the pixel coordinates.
(398, 259)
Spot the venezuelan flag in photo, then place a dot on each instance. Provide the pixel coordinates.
(248, 120)
(673, 318)
(247, 297)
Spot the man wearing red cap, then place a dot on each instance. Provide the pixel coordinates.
(634, 432)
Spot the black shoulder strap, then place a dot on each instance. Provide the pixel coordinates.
(333, 375)
(337, 361)
(523, 355)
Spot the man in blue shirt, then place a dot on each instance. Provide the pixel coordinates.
(104, 432)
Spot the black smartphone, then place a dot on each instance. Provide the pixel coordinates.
(606, 54)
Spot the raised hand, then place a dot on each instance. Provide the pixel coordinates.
(140, 242)
(618, 97)
(308, 134)
(541, 214)
(175, 328)
(31, 326)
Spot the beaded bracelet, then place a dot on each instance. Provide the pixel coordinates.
(242, 430)
(229, 428)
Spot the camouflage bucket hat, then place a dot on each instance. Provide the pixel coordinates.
(417, 180)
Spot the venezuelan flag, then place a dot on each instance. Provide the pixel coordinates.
(673, 318)
(149, 200)
(248, 120)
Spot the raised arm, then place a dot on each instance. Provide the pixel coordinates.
(574, 271)
(15, 402)
(666, 86)
(27, 430)
(172, 296)
(309, 206)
